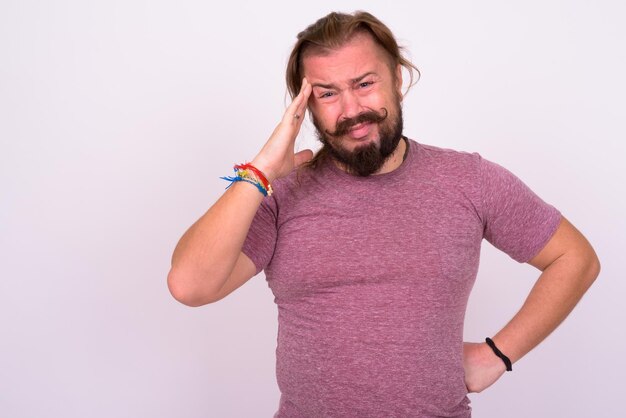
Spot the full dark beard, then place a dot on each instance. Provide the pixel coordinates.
(367, 159)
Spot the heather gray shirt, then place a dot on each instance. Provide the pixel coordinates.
(372, 276)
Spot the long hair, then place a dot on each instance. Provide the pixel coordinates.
(333, 31)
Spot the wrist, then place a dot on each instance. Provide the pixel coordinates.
(250, 174)
(498, 355)
(264, 168)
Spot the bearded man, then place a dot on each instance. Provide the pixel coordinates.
(371, 247)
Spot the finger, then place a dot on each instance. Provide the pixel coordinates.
(305, 92)
(302, 157)
(300, 110)
(295, 111)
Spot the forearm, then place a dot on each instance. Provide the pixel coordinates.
(206, 254)
(555, 294)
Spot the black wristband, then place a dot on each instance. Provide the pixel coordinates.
(505, 359)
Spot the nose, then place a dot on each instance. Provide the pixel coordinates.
(351, 105)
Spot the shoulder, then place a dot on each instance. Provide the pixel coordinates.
(447, 155)
(446, 161)
(462, 163)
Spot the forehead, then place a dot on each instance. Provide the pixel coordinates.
(360, 55)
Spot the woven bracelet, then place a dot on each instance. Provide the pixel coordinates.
(505, 359)
(252, 175)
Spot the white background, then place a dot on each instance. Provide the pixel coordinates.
(118, 117)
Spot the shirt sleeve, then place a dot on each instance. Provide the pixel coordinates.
(515, 219)
(261, 239)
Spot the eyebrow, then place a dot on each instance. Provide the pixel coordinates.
(359, 79)
(353, 81)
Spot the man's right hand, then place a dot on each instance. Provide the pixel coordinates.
(277, 157)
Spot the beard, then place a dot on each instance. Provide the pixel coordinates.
(366, 159)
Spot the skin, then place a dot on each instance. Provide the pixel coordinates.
(208, 264)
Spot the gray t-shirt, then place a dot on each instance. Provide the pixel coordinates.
(372, 275)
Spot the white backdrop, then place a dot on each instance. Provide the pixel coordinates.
(118, 117)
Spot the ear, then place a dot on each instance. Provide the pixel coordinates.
(399, 80)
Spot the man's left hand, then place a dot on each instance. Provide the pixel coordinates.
(482, 367)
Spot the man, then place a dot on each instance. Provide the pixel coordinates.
(371, 248)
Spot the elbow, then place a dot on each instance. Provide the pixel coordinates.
(588, 267)
(185, 291)
(593, 267)
(179, 290)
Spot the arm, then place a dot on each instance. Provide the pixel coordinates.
(207, 263)
(569, 266)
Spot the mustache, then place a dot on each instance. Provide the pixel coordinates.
(372, 116)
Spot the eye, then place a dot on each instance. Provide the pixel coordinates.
(326, 95)
(365, 84)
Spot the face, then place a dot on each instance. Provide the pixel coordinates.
(355, 104)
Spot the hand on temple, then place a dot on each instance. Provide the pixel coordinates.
(277, 157)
